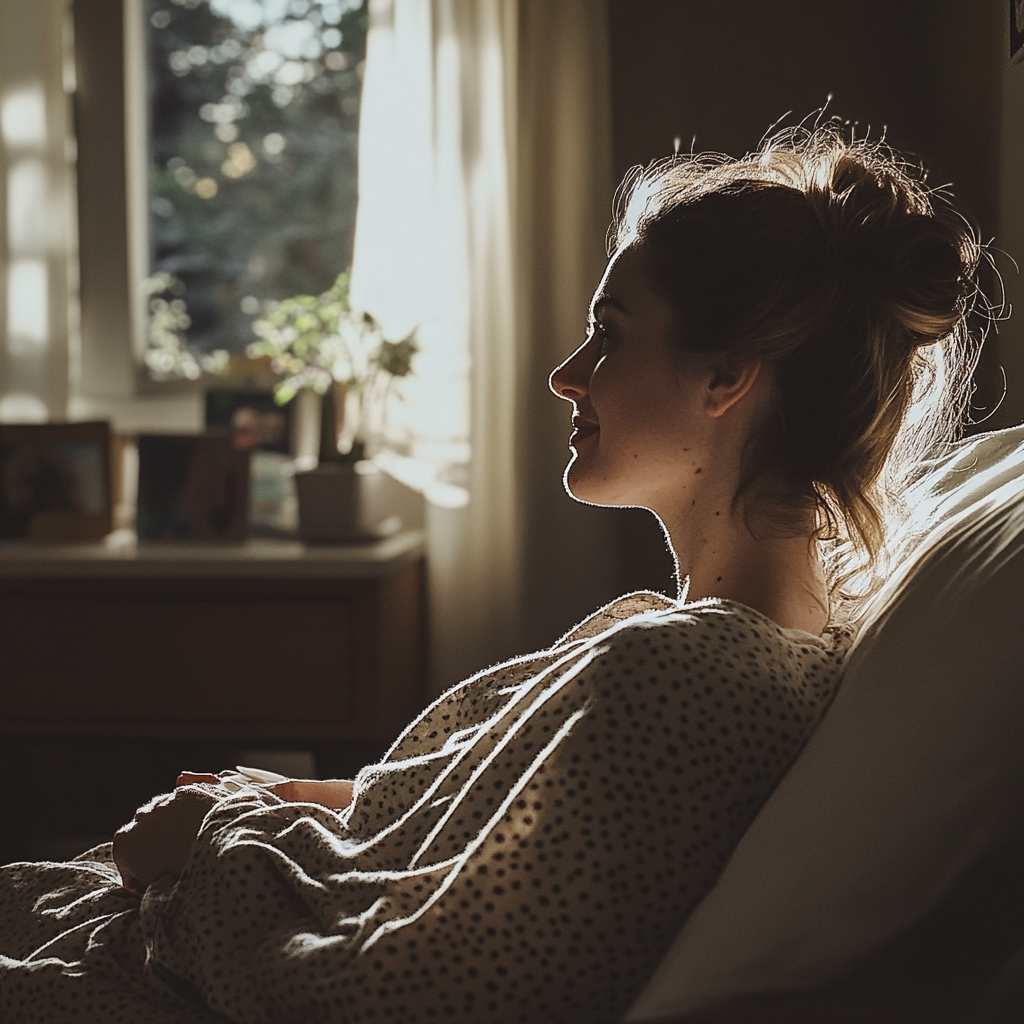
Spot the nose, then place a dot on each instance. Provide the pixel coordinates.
(571, 380)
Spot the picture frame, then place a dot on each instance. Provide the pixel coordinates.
(1017, 31)
(256, 421)
(55, 481)
(192, 487)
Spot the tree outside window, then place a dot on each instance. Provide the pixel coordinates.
(254, 119)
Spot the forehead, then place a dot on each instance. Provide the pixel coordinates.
(626, 285)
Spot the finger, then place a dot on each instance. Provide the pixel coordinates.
(121, 854)
(191, 778)
(285, 790)
(129, 881)
(335, 795)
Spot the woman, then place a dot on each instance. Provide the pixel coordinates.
(530, 846)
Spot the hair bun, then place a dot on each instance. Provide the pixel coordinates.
(929, 285)
(915, 256)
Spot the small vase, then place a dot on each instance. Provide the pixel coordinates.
(346, 502)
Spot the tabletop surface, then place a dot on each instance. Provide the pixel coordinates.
(122, 556)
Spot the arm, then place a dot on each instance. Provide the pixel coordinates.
(159, 838)
(531, 871)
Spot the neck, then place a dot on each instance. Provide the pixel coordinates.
(717, 556)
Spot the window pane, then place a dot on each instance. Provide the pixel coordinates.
(253, 145)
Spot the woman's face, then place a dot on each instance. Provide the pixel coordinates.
(640, 435)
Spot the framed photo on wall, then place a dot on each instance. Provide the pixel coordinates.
(55, 481)
(1016, 30)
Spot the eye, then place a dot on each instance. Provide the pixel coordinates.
(600, 331)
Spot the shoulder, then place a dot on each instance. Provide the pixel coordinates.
(641, 602)
(715, 670)
(719, 641)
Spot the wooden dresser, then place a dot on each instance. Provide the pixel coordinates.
(271, 639)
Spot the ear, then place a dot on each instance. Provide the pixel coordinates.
(730, 380)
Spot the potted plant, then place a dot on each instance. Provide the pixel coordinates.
(320, 344)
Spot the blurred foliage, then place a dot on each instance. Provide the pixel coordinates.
(315, 341)
(168, 356)
(252, 184)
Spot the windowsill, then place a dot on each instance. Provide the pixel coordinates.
(179, 412)
(120, 557)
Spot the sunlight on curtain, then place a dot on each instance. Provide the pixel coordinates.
(434, 250)
(411, 265)
(23, 130)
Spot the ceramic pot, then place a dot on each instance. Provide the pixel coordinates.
(343, 502)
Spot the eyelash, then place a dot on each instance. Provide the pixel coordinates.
(599, 331)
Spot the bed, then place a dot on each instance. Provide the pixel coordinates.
(883, 880)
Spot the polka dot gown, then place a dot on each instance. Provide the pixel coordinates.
(525, 852)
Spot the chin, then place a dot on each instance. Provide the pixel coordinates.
(575, 483)
(581, 485)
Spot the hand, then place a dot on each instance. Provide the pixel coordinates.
(194, 778)
(229, 781)
(335, 794)
(158, 839)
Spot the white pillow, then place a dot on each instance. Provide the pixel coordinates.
(915, 772)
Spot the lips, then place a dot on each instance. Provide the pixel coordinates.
(582, 428)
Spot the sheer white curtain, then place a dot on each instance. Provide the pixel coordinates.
(454, 235)
(38, 327)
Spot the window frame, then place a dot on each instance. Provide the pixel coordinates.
(110, 132)
(108, 324)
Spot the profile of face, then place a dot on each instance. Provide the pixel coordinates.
(635, 392)
(646, 411)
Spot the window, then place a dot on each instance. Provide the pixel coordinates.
(252, 147)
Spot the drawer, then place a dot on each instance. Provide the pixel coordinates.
(182, 663)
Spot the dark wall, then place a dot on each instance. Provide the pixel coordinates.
(724, 72)
(721, 73)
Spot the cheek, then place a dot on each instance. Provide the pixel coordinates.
(641, 412)
(617, 393)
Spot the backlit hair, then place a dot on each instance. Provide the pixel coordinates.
(830, 260)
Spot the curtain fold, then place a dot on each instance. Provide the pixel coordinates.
(483, 200)
(564, 194)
